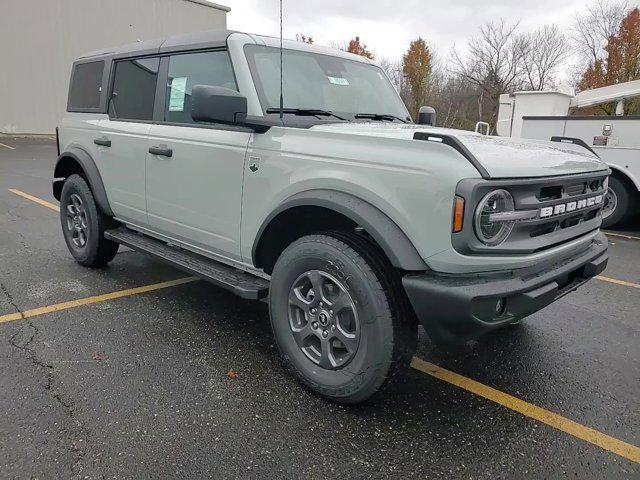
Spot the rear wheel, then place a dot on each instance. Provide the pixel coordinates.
(83, 225)
(340, 317)
(619, 202)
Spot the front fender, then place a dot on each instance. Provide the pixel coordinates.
(396, 245)
(66, 166)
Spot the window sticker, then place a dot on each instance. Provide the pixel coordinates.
(178, 93)
(343, 82)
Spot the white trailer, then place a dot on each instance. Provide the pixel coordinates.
(616, 139)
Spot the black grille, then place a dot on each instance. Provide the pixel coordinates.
(538, 232)
(550, 193)
(561, 192)
(577, 189)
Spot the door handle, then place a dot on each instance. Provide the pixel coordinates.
(161, 150)
(102, 141)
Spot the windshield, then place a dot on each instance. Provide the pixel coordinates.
(322, 82)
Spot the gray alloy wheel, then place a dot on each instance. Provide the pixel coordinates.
(324, 319)
(83, 224)
(340, 317)
(77, 221)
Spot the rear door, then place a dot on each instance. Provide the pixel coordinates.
(85, 104)
(195, 171)
(122, 138)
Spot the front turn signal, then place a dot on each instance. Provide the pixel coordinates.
(458, 214)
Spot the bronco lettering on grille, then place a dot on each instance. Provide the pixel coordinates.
(561, 208)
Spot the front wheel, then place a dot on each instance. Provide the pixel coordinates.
(340, 317)
(83, 225)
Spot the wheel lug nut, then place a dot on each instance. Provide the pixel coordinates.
(314, 325)
(325, 334)
(330, 312)
(333, 327)
(313, 311)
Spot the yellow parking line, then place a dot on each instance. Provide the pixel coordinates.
(39, 201)
(628, 237)
(7, 146)
(626, 450)
(617, 282)
(96, 299)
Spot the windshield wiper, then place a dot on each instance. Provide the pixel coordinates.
(379, 116)
(311, 112)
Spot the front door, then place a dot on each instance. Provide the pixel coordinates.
(195, 172)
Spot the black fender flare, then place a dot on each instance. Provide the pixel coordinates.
(393, 241)
(91, 172)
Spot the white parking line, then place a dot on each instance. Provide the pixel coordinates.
(7, 146)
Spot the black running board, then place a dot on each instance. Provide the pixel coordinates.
(241, 283)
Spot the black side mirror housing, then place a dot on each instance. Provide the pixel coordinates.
(427, 116)
(218, 105)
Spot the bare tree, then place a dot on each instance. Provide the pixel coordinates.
(591, 30)
(543, 51)
(393, 71)
(338, 44)
(300, 37)
(493, 65)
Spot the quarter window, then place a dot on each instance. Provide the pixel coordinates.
(134, 89)
(86, 86)
(188, 70)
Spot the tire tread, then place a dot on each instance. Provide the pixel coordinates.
(386, 283)
(106, 250)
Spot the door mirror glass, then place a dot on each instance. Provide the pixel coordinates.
(218, 105)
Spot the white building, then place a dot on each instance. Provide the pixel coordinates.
(39, 39)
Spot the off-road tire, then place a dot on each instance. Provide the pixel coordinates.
(626, 202)
(388, 328)
(97, 251)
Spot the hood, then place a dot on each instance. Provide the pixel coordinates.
(500, 157)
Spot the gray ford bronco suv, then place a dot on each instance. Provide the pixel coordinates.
(354, 222)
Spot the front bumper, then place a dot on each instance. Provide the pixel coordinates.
(454, 308)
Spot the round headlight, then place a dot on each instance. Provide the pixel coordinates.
(490, 228)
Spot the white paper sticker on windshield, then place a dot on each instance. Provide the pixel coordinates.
(339, 81)
(178, 92)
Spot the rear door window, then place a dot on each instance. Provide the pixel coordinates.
(190, 69)
(134, 89)
(86, 86)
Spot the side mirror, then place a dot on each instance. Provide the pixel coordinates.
(218, 105)
(427, 116)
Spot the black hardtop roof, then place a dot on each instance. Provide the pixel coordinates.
(189, 41)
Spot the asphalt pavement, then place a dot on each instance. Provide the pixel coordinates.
(185, 381)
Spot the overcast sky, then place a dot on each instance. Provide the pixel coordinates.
(387, 26)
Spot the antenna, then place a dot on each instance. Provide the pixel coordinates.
(281, 70)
